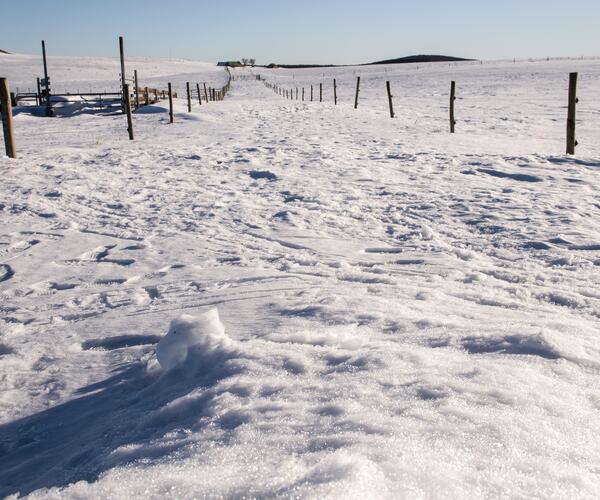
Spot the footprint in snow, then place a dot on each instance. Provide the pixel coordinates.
(6, 272)
(262, 174)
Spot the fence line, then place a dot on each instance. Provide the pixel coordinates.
(571, 108)
(210, 94)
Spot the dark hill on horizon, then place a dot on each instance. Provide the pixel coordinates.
(422, 58)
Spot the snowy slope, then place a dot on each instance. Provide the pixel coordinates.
(70, 74)
(406, 313)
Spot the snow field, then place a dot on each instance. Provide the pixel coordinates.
(403, 313)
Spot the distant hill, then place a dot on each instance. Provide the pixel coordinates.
(4, 51)
(421, 59)
(401, 60)
(302, 66)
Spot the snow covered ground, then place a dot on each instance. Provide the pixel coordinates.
(401, 312)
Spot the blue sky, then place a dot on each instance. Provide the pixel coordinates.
(304, 31)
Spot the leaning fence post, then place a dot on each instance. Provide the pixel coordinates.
(571, 114)
(357, 89)
(128, 111)
(49, 111)
(334, 92)
(452, 99)
(205, 93)
(199, 94)
(7, 123)
(170, 104)
(189, 98)
(389, 93)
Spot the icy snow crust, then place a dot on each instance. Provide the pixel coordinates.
(403, 313)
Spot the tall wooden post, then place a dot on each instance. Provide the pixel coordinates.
(146, 95)
(123, 82)
(320, 92)
(389, 93)
(128, 111)
(189, 97)
(334, 91)
(296, 93)
(205, 93)
(571, 114)
(452, 99)
(170, 104)
(302, 94)
(137, 89)
(357, 90)
(49, 111)
(199, 94)
(7, 123)
(311, 93)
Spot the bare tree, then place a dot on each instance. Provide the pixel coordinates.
(252, 61)
(244, 61)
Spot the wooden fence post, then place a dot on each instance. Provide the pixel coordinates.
(571, 114)
(189, 97)
(137, 94)
(39, 92)
(147, 95)
(128, 111)
(296, 93)
(334, 91)
(49, 111)
(123, 82)
(205, 93)
(7, 123)
(302, 94)
(311, 93)
(452, 99)
(170, 104)
(320, 92)
(357, 89)
(199, 94)
(389, 93)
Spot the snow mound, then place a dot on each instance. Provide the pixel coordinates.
(203, 336)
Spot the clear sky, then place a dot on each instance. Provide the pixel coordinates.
(304, 31)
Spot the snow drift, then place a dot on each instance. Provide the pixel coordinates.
(201, 338)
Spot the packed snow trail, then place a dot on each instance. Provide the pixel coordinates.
(405, 313)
